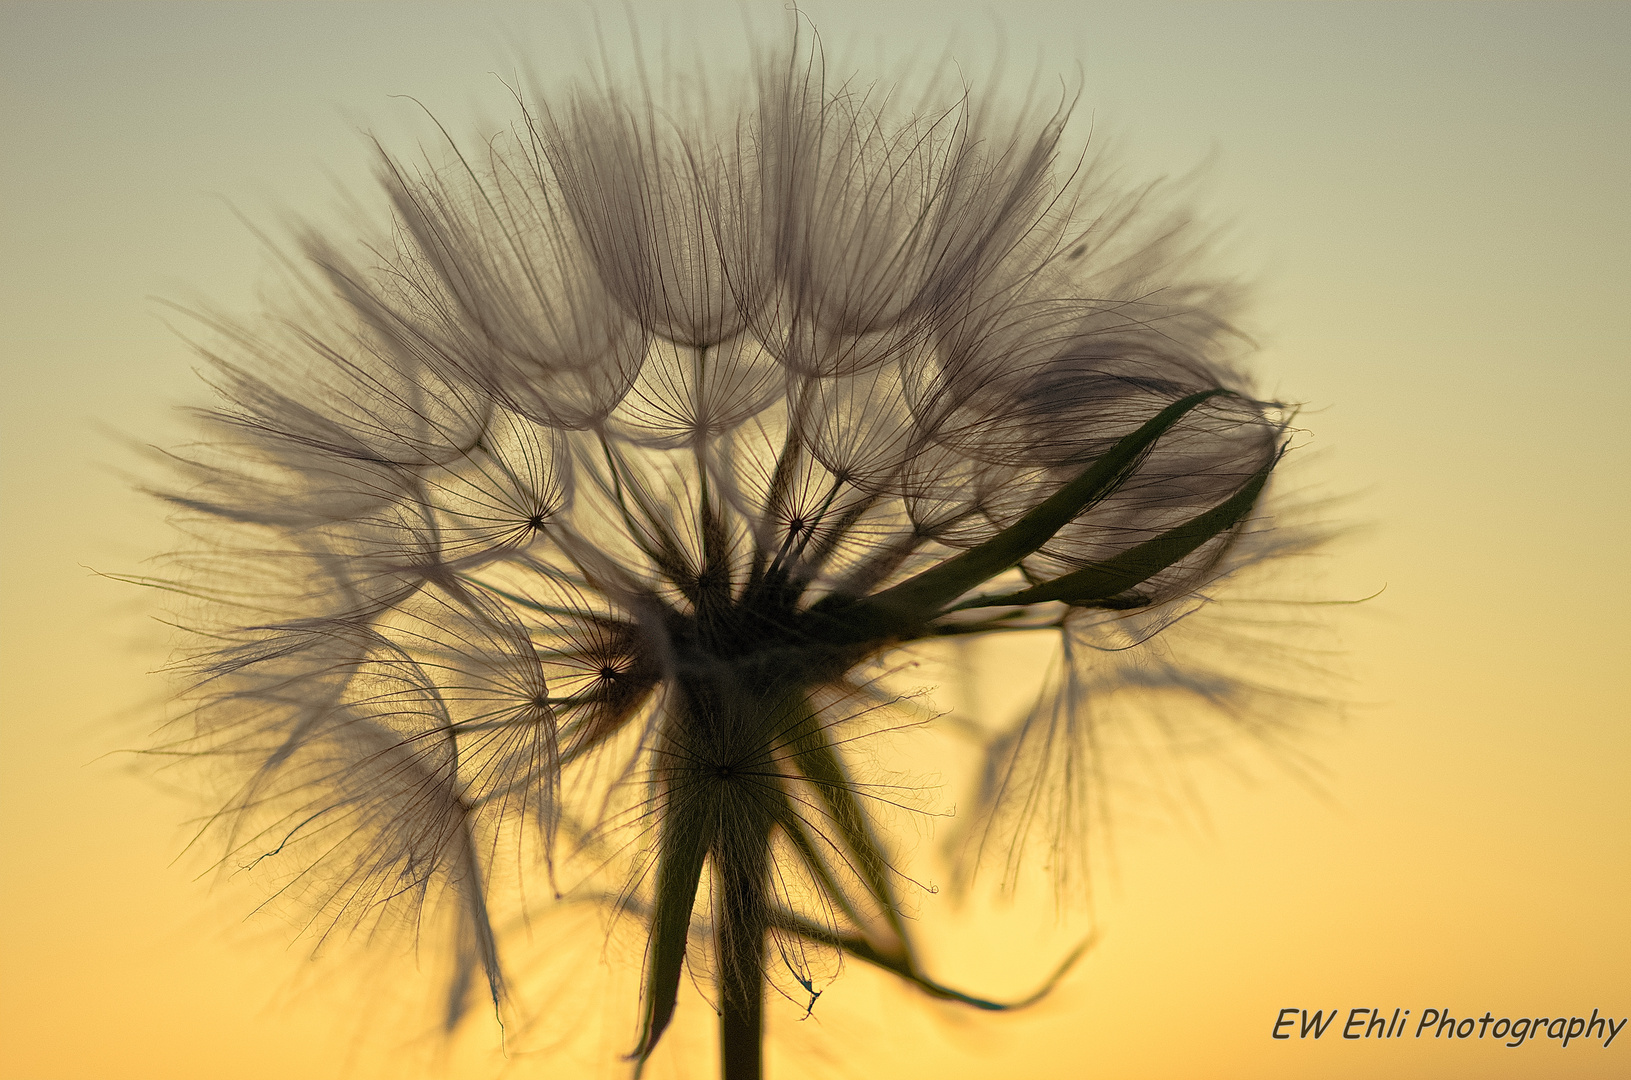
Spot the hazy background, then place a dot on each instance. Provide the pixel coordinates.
(1435, 200)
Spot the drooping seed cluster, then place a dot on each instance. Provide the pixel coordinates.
(581, 517)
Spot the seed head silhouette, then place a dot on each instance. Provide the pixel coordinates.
(581, 522)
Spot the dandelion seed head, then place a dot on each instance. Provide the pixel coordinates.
(574, 528)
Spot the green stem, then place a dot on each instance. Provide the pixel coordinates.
(742, 1022)
(741, 880)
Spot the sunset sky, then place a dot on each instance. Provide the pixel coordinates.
(1432, 200)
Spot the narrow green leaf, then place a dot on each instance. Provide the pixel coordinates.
(686, 836)
(918, 599)
(815, 757)
(1101, 581)
(798, 831)
(475, 934)
(906, 968)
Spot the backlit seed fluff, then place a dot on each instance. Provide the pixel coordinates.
(569, 537)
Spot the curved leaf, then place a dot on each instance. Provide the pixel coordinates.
(1099, 583)
(919, 599)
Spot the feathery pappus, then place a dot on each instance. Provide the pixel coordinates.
(580, 519)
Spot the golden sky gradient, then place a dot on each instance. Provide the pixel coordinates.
(1434, 201)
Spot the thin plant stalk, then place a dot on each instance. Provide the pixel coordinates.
(742, 942)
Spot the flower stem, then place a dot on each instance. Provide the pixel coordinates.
(741, 882)
(741, 1023)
